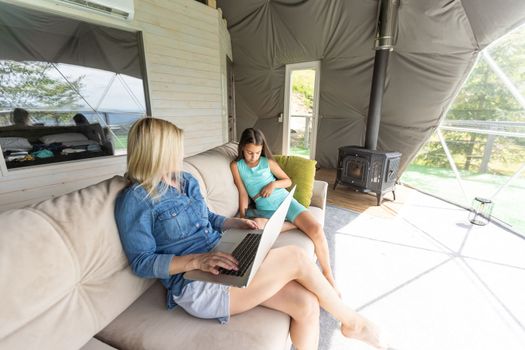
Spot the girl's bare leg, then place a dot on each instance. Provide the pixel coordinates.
(261, 222)
(287, 226)
(307, 223)
(286, 264)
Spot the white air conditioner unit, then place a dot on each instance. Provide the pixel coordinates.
(115, 8)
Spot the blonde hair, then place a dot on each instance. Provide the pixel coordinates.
(155, 151)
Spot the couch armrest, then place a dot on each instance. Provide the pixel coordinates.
(319, 194)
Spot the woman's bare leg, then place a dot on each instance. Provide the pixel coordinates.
(303, 307)
(286, 264)
(307, 223)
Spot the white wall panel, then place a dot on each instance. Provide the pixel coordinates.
(186, 44)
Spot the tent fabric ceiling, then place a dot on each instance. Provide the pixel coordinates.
(437, 45)
(492, 19)
(28, 35)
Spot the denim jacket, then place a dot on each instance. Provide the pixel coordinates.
(153, 231)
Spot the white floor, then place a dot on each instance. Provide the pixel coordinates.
(432, 280)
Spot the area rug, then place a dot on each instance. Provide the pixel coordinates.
(335, 218)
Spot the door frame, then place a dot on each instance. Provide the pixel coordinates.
(315, 65)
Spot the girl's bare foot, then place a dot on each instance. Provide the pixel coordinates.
(261, 222)
(364, 330)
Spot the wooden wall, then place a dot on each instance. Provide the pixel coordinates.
(186, 44)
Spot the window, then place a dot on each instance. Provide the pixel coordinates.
(68, 89)
(479, 149)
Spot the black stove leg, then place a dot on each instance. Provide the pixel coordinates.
(379, 198)
(394, 194)
(335, 183)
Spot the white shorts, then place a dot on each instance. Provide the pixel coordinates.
(205, 300)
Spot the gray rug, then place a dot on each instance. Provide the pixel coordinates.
(335, 218)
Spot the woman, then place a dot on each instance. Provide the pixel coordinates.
(166, 229)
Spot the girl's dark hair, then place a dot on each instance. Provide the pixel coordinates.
(255, 136)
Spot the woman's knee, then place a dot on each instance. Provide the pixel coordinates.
(293, 257)
(296, 253)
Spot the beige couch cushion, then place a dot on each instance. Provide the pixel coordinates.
(63, 273)
(148, 325)
(95, 344)
(212, 170)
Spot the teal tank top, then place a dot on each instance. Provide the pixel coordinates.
(255, 179)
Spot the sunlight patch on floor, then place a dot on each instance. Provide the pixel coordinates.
(431, 279)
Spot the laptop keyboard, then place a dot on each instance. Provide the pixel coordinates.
(244, 253)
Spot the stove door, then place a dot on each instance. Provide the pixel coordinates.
(354, 170)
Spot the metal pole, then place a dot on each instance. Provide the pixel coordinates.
(384, 43)
(376, 99)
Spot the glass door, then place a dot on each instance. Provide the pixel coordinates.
(301, 109)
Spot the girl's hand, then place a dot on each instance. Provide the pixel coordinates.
(267, 190)
(211, 262)
(240, 223)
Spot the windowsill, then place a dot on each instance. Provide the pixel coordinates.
(61, 167)
(55, 159)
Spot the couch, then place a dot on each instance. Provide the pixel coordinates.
(66, 283)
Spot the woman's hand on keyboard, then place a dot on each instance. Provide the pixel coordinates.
(211, 262)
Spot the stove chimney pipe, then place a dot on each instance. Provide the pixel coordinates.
(384, 44)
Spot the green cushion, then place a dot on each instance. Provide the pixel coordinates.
(302, 173)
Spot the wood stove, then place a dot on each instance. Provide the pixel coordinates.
(364, 168)
(368, 170)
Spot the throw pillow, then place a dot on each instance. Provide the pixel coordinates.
(62, 138)
(15, 144)
(79, 143)
(302, 173)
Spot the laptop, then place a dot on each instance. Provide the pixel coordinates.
(248, 246)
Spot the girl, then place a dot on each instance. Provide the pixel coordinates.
(162, 245)
(258, 176)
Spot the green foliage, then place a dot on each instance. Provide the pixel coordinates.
(506, 157)
(303, 86)
(29, 85)
(484, 97)
(300, 151)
